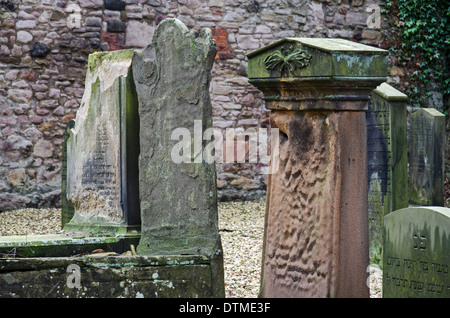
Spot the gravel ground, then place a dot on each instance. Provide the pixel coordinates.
(241, 226)
(30, 221)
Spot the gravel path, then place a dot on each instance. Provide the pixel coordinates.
(30, 221)
(241, 226)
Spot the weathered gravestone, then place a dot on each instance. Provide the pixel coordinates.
(417, 253)
(387, 160)
(316, 227)
(178, 199)
(102, 150)
(426, 157)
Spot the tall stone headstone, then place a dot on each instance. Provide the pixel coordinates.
(178, 199)
(387, 160)
(316, 227)
(103, 148)
(416, 258)
(426, 157)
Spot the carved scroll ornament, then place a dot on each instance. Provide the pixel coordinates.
(287, 59)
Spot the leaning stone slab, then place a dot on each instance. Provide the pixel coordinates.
(416, 257)
(316, 226)
(426, 157)
(387, 161)
(102, 149)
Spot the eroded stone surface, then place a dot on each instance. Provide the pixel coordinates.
(310, 198)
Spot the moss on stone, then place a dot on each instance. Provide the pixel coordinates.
(97, 59)
(330, 58)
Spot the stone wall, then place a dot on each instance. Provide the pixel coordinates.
(44, 47)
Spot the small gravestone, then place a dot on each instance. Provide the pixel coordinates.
(102, 149)
(426, 157)
(387, 160)
(416, 257)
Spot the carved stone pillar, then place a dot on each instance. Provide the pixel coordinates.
(316, 226)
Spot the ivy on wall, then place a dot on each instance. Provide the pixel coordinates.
(419, 36)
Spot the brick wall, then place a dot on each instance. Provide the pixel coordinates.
(44, 46)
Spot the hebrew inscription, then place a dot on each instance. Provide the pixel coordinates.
(426, 157)
(417, 253)
(432, 277)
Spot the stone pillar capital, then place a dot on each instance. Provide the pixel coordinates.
(296, 73)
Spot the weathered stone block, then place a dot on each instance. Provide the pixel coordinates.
(17, 177)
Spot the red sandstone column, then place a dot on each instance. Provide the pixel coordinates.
(316, 226)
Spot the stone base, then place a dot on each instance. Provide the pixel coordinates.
(57, 245)
(111, 276)
(102, 229)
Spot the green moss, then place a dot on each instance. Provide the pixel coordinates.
(97, 59)
(64, 245)
(359, 65)
(329, 58)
